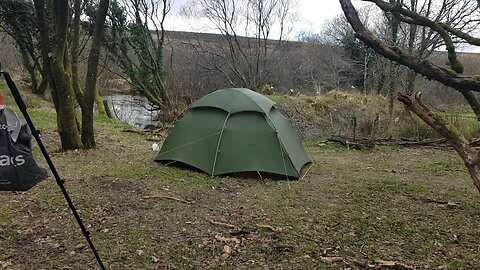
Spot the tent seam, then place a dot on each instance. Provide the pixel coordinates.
(282, 148)
(259, 105)
(288, 154)
(245, 95)
(189, 143)
(218, 143)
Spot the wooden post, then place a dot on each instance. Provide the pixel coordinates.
(354, 128)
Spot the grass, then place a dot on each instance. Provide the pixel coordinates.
(319, 117)
(360, 205)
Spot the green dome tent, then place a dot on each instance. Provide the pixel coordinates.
(235, 130)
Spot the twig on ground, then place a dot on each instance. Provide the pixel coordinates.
(221, 224)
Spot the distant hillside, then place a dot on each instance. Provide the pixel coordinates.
(299, 67)
(182, 35)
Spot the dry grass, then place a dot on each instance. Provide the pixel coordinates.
(361, 206)
(319, 117)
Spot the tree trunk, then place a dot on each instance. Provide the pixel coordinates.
(470, 156)
(44, 36)
(88, 136)
(100, 104)
(472, 101)
(411, 78)
(31, 71)
(391, 88)
(66, 118)
(43, 86)
(75, 51)
(59, 79)
(381, 83)
(107, 109)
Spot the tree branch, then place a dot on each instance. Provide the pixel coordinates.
(461, 145)
(426, 68)
(424, 21)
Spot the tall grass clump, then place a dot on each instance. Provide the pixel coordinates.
(346, 114)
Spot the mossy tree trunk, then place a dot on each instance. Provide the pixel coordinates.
(88, 136)
(62, 68)
(54, 56)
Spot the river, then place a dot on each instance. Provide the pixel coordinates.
(133, 110)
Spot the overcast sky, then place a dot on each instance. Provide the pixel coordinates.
(312, 13)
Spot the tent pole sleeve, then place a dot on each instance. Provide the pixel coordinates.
(218, 144)
(23, 108)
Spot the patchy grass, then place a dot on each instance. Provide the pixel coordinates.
(358, 205)
(319, 117)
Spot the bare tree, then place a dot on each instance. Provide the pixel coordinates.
(137, 49)
(422, 41)
(363, 59)
(16, 21)
(324, 66)
(253, 34)
(449, 76)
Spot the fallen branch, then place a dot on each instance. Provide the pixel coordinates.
(137, 131)
(362, 143)
(221, 224)
(352, 143)
(331, 259)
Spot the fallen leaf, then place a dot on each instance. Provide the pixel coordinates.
(155, 259)
(227, 239)
(206, 241)
(80, 246)
(227, 251)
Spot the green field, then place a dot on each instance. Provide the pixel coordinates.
(416, 207)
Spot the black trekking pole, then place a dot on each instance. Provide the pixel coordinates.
(23, 108)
